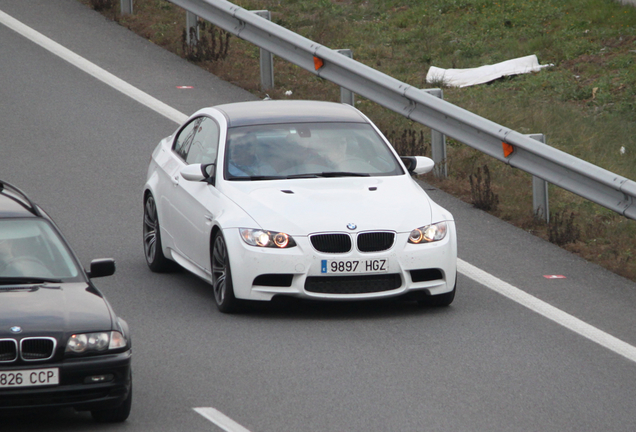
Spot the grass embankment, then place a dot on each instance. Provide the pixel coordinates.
(585, 104)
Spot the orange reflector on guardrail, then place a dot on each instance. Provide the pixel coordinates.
(507, 149)
(318, 63)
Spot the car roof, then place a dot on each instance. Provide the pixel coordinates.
(288, 111)
(15, 203)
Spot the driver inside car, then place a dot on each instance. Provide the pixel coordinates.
(243, 160)
(16, 264)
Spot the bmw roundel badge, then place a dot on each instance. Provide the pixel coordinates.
(352, 226)
(16, 329)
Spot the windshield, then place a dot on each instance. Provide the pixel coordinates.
(30, 250)
(305, 150)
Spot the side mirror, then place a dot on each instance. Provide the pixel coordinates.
(199, 172)
(102, 267)
(417, 165)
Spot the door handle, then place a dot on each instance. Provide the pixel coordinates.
(209, 217)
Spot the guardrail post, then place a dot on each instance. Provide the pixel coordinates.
(346, 95)
(267, 58)
(438, 143)
(540, 204)
(126, 7)
(192, 22)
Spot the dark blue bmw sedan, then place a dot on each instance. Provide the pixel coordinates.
(61, 343)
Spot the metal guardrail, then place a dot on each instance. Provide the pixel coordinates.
(518, 150)
(126, 7)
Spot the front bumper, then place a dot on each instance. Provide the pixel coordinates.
(262, 273)
(74, 390)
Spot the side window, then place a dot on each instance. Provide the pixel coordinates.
(184, 140)
(206, 142)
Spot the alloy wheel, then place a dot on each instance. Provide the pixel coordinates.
(151, 226)
(219, 269)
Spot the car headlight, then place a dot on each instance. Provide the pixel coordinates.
(271, 239)
(95, 342)
(429, 233)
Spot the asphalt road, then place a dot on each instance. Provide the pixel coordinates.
(80, 148)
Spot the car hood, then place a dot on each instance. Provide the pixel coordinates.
(70, 307)
(304, 206)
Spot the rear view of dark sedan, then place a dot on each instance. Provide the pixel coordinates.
(61, 344)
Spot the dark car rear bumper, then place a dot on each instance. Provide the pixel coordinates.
(74, 390)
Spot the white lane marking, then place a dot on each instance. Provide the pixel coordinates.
(220, 419)
(93, 69)
(557, 315)
(592, 333)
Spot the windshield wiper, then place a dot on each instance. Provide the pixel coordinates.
(27, 280)
(329, 174)
(344, 174)
(297, 176)
(259, 177)
(28, 288)
(301, 176)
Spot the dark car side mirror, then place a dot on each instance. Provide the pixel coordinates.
(102, 267)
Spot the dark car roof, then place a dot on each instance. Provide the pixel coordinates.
(282, 111)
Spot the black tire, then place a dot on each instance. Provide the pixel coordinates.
(115, 415)
(156, 260)
(440, 300)
(222, 276)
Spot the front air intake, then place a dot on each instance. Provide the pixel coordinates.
(331, 243)
(32, 349)
(8, 350)
(375, 241)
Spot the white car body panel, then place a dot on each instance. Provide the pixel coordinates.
(328, 204)
(190, 211)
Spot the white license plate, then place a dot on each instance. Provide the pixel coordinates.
(355, 266)
(29, 378)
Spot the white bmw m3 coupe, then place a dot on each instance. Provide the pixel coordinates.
(295, 198)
